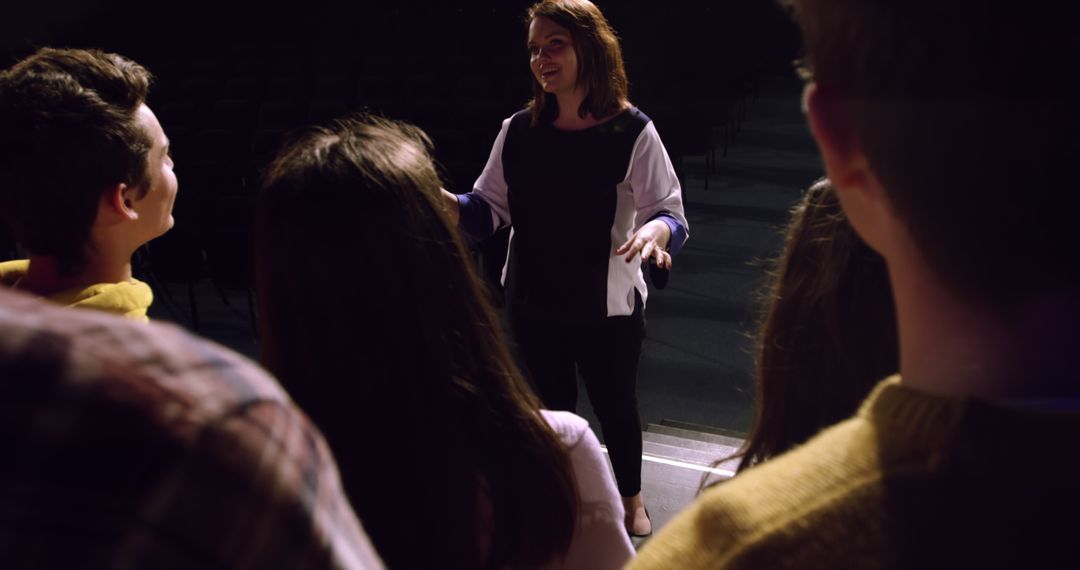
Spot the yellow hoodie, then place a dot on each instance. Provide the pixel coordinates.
(130, 299)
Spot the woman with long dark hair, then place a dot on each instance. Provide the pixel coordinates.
(827, 334)
(586, 184)
(380, 331)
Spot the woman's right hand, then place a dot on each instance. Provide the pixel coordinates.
(452, 207)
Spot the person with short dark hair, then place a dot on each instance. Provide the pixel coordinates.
(85, 177)
(584, 180)
(382, 332)
(949, 130)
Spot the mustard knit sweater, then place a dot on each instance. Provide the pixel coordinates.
(912, 481)
(130, 299)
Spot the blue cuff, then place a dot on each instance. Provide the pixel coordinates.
(475, 220)
(678, 232)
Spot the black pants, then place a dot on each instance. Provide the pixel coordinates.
(606, 353)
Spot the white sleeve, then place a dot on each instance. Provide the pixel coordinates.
(491, 185)
(600, 539)
(652, 179)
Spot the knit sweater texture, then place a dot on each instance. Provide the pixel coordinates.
(914, 480)
(129, 298)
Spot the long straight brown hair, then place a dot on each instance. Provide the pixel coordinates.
(600, 61)
(827, 332)
(374, 319)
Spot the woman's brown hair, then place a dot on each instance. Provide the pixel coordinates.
(374, 319)
(828, 329)
(827, 332)
(600, 62)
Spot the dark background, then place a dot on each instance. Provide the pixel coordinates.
(455, 68)
(234, 78)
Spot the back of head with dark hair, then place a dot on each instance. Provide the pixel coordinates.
(600, 61)
(67, 133)
(374, 319)
(967, 114)
(828, 329)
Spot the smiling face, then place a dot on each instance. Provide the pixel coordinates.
(156, 204)
(552, 57)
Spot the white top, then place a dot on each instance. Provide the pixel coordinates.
(600, 539)
(649, 189)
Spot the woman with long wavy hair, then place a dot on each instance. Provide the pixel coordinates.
(588, 188)
(374, 319)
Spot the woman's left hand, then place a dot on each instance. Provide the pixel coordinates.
(650, 242)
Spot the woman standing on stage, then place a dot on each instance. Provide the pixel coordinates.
(588, 187)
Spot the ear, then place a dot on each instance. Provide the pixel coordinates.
(117, 203)
(836, 136)
(861, 194)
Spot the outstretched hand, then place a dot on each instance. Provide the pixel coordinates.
(650, 242)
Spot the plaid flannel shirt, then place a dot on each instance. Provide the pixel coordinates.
(127, 445)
